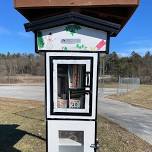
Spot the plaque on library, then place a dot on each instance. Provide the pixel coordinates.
(72, 37)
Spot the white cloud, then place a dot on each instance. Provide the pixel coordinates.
(139, 45)
(142, 50)
(24, 34)
(139, 42)
(4, 31)
(139, 50)
(123, 54)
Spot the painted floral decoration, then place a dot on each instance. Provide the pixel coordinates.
(72, 28)
(40, 41)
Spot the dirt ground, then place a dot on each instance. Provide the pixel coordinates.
(22, 128)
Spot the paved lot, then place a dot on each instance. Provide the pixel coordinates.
(30, 92)
(109, 91)
(136, 120)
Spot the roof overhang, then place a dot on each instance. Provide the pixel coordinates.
(74, 17)
(114, 11)
(59, 3)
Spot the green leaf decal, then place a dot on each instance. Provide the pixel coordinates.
(40, 41)
(65, 48)
(72, 28)
(81, 46)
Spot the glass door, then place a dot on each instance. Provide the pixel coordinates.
(70, 136)
(71, 141)
(72, 85)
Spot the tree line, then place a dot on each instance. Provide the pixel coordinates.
(133, 66)
(17, 63)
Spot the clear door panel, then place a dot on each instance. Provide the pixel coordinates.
(71, 86)
(71, 141)
(71, 136)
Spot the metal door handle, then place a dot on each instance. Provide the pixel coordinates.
(95, 146)
(87, 78)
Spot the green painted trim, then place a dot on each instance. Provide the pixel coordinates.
(40, 41)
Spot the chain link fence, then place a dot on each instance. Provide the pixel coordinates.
(109, 84)
(127, 84)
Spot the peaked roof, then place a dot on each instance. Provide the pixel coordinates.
(115, 11)
(74, 17)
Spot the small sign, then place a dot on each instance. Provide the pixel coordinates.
(72, 37)
(70, 41)
(74, 104)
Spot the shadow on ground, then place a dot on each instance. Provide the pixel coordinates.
(10, 135)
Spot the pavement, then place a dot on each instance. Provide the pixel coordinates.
(30, 92)
(137, 120)
(110, 91)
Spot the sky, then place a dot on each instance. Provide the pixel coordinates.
(135, 36)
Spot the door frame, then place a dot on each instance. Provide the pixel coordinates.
(48, 79)
(53, 76)
(89, 128)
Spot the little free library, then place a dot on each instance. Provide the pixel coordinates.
(72, 34)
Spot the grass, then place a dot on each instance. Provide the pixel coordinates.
(141, 97)
(108, 85)
(22, 128)
(113, 138)
(27, 79)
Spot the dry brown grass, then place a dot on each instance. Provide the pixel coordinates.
(108, 85)
(113, 138)
(141, 97)
(21, 79)
(22, 128)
